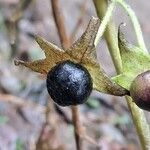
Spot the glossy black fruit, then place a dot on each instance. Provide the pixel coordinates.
(140, 90)
(69, 83)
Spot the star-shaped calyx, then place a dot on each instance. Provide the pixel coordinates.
(83, 52)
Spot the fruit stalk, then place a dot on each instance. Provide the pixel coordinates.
(58, 17)
(77, 126)
(138, 115)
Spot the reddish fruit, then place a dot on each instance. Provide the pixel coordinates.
(140, 90)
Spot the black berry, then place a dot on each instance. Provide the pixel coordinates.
(69, 83)
(140, 90)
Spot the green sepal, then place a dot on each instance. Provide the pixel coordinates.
(134, 62)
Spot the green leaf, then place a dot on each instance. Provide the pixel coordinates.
(134, 62)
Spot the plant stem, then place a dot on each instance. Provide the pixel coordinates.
(59, 20)
(110, 32)
(140, 123)
(138, 115)
(135, 23)
(104, 21)
(77, 126)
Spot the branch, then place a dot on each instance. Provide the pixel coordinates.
(58, 17)
(77, 126)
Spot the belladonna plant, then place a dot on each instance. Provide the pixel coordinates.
(73, 72)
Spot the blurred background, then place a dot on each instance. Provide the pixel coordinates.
(28, 116)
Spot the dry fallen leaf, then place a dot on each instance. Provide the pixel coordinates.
(83, 52)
